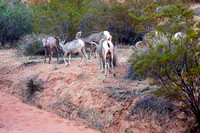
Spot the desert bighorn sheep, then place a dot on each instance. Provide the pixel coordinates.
(179, 35)
(49, 43)
(96, 37)
(105, 50)
(75, 46)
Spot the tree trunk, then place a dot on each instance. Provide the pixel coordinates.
(2, 43)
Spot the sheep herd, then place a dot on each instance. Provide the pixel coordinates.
(102, 41)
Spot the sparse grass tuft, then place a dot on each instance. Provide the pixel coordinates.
(28, 64)
(32, 87)
(64, 107)
(162, 111)
(122, 94)
(31, 44)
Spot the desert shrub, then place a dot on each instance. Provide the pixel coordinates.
(122, 94)
(32, 87)
(175, 64)
(14, 21)
(31, 44)
(65, 18)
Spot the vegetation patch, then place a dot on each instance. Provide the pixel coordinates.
(15, 21)
(28, 64)
(122, 94)
(171, 54)
(33, 86)
(160, 110)
(31, 44)
(5, 83)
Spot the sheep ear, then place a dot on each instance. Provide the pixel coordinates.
(64, 41)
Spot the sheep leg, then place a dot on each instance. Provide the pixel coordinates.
(45, 56)
(81, 58)
(50, 56)
(69, 58)
(112, 57)
(65, 59)
(105, 64)
(92, 48)
(57, 53)
(101, 64)
(95, 54)
(85, 55)
(90, 56)
(105, 68)
(108, 64)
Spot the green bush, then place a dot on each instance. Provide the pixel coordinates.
(33, 86)
(14, 21)
(175, 63)
(65, 18)
(31, 44)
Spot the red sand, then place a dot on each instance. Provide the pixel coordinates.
(18, 117)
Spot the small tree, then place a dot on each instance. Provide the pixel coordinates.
(14, 21)
(65, 18)
(176, 63)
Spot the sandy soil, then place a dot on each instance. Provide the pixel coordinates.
(81, 93)
(56, 79)
(18, 117)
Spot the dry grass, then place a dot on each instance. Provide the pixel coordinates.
(33, 86)
(28, 64)
(122, 94)
(160, 110)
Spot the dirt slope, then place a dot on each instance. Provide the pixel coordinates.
(17, 117)
(82, 93)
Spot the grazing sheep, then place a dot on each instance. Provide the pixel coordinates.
(154, 38)
(137, 45)
(96, 37)
(49, 43)
(75, 46)
(105, 50)
(179, 35)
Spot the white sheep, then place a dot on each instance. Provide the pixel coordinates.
(96, 37)
(179, 35)
(75, 46)
(105, 50)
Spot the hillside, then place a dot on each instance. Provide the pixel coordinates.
(81, 93)
(40, 97)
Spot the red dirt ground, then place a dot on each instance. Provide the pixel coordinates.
(81, 93)
(60, 81)
(17, 117)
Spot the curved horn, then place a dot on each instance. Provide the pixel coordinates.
(93, 43)
(78, 34)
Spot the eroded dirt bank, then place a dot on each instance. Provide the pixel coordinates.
(17, 117)
(83, 94)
